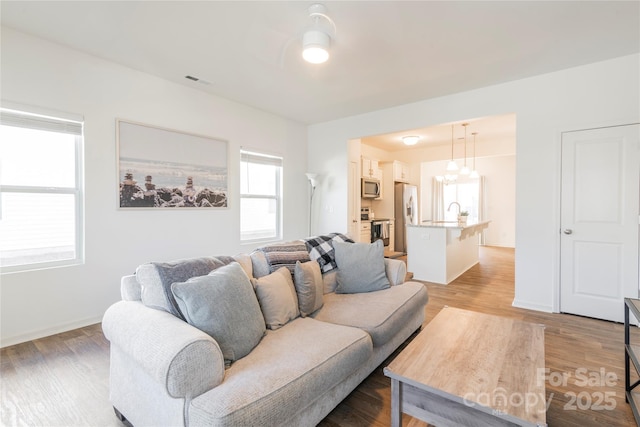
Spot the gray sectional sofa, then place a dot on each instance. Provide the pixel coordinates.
(291, 367)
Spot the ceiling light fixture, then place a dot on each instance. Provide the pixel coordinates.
(452, 165)
(410, 140)
(465, 169)
(317, 39)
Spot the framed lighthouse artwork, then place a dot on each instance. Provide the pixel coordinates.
(163, 168)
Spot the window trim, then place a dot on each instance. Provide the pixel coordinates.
(21, 116)
(256, 157)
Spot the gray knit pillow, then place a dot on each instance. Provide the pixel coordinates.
(224, 305)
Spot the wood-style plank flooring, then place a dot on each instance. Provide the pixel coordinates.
(571, 343)
(62, 380)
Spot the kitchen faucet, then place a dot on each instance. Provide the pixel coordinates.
(454, 203)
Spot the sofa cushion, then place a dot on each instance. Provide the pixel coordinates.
(360, 267)
(309, 287)
(245, 262)
(224, 305)
(381, 314)
(277, 298)
(321, 249)
(155, 279)
(290, 368)
(259, 264)
(329, 281)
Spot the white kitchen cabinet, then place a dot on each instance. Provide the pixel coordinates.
(392, 235)
(365, 232)
(401, 172)
(370, 168)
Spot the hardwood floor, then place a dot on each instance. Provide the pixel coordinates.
(571, 343)
(63, 380)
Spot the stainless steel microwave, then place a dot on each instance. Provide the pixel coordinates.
(370, 188)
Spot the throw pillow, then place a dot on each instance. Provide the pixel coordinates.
(224, 305)
(309, 287)
(156, 278)
(285, 255)
(277, 298)
(360, 267)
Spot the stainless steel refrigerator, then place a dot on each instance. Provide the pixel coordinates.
(405, 212)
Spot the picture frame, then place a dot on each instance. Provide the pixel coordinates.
(165, 168)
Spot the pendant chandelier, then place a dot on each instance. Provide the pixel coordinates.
(465, 169)
(451, 174)
(452, 165)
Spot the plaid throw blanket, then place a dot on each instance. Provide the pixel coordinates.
(285, 255)
(321, 249)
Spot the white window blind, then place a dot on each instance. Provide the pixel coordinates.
(41, 219)
(260, 196)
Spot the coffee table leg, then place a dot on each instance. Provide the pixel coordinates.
(396, 403)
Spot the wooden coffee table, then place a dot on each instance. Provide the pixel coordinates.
(471, 369)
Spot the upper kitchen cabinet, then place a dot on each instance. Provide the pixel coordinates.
(401, 172)
(371, 168)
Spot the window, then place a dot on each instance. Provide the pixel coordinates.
(467, 194)
(260, 196)
(40, 191)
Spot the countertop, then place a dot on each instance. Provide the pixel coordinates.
(448, 224)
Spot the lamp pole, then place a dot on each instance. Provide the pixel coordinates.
(312, 182)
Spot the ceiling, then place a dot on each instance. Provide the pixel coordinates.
(501, 127)
(385, 53)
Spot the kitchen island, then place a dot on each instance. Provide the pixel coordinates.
(440, 251)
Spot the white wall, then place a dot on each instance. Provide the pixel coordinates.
(599, 94)
(36, 72)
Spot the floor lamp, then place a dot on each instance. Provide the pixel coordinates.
(313, 180)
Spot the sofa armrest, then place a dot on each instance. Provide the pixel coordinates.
(130, 289)
(185, 360)
(396, 271)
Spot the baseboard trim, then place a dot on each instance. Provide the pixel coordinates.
(41, 333)
(532, 306)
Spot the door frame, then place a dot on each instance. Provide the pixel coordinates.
(558, 207)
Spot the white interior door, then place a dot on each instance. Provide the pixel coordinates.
(599, 219)
(354, 201)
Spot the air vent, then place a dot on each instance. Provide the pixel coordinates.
(197, 79)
